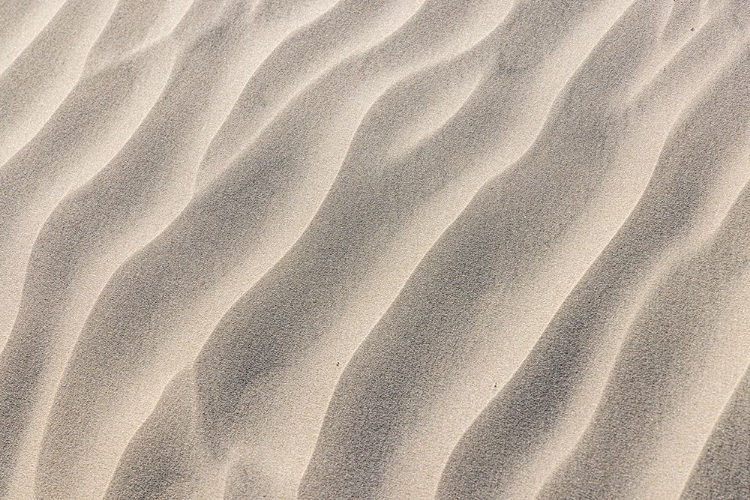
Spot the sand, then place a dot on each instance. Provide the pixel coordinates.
(374, 249)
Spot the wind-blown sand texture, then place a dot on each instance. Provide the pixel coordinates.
(375, 249)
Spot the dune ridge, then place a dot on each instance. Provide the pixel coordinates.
(397, 249)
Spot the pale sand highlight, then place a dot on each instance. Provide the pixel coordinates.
(393, 249)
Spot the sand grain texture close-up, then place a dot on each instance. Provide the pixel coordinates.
(375, 249)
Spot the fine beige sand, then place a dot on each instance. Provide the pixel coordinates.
(375, 249)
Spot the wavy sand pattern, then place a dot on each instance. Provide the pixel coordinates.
(392, 249)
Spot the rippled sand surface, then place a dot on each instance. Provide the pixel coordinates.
(375, 249)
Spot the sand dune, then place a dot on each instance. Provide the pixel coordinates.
(391, 249)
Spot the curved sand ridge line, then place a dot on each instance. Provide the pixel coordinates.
(388, 249)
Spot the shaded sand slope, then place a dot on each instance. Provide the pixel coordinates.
(724, 466)
(543, 409)
(205, 218)
(121, 208)
(323, 288)
(447, 330)
(388, 249)
(665, 393)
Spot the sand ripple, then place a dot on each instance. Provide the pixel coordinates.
(392, 249)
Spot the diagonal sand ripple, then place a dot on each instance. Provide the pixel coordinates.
(374, 249)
